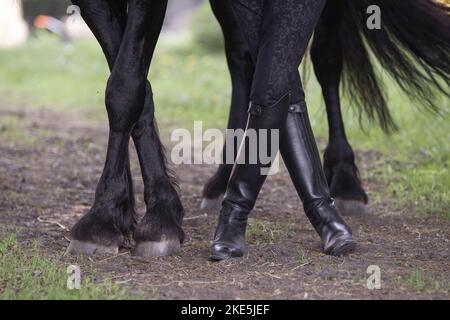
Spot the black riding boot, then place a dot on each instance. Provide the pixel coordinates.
(247, 179)
(301, 157)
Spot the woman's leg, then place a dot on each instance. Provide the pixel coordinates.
(284, 32)
(301, 157)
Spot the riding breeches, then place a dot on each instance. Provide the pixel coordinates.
(277, 34)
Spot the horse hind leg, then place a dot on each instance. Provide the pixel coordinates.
(241, 70)
(339, 160)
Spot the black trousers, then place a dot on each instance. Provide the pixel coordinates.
(277, 33)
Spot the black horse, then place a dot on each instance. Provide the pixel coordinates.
(412, 46)
(127, 31)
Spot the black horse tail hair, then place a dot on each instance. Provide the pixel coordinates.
(413, 46)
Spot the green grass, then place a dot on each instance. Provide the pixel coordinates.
(12, 129)
(260, 231)
(416, 280)
(419, 281)
(28, 273)
(302, 257)
(193, 84)
(17, 130)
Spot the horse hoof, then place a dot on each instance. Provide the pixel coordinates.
(89, 248)
(351, 207)
(148, 249)
(211, 204)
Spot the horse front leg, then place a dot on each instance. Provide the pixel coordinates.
(127, 91)
(159, 233)
(241, 68)
(339, 160)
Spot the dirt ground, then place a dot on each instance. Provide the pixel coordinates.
(45, 186)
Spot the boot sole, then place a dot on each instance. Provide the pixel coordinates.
(342, 249)
(219, 256)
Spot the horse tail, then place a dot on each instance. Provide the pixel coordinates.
(413, 46)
